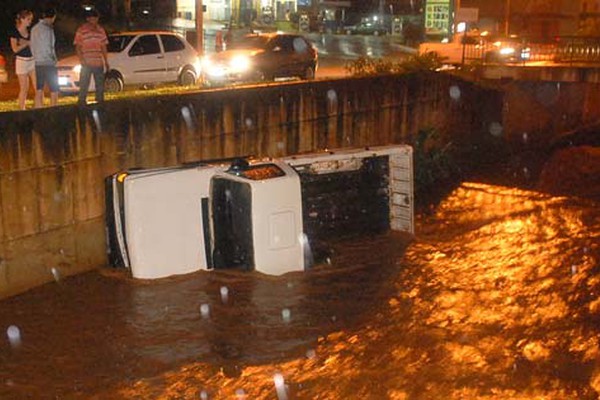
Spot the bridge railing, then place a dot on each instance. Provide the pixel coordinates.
(563, 50)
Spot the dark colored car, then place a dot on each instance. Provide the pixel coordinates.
(507, 50)
(261, 57)
(366, 28)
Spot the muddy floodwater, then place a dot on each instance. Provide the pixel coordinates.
(497, 297)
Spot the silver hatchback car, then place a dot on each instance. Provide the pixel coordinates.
(139, 58)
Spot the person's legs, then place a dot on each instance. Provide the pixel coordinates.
(32, 79)
(84, 84)
(99, 82)
(39, 86)
(23, 88)
(53, 83)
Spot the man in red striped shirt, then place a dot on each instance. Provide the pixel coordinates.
(90, 44)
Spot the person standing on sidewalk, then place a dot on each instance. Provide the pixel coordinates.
(90, 43)
(44, 54)
(24, 63)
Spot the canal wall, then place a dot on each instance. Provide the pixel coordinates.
(53, 161)
(537, 112)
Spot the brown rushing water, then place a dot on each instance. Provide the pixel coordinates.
(498, 297)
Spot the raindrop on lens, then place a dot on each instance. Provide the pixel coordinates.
(280, 145)
(311, 354)
(240, 394)
(14, 335)
(280, 386)
(187, 117)
(331, 95)
(203, 395)
(454, 92)
(308, 254)
(573, 269)
(224, 294)
(96, 117)
(205, 311)
(496, 129)
(249, 122)
(525, 137)
(56, 274)
(286, 314)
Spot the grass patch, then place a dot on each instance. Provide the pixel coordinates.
(71, 99)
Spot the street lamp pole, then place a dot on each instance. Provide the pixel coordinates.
(507, 18)
(200, 27)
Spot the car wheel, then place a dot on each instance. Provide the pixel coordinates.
(309, 73)
(113, 83)
(187, 77)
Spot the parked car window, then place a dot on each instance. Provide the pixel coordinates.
(118, 43)
(300, 45)
(171, 43)
(284, 43)
(147, 44)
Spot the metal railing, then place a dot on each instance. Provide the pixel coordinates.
(564, 50)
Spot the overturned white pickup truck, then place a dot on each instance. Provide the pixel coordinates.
(260, 215)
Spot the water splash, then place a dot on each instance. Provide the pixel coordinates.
(14, 336)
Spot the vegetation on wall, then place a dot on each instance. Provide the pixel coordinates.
(366, 66)
(436, 167)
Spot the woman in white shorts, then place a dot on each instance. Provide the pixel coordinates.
(24, 63)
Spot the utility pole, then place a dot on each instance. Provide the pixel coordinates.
(200, 27)
(507, 18)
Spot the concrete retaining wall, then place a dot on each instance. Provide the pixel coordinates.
(53, 161)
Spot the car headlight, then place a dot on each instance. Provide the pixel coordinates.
(239, 64)
(506, 51)
(211, 68)
(77, 68)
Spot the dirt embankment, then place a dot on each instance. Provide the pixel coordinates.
(573, 171)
